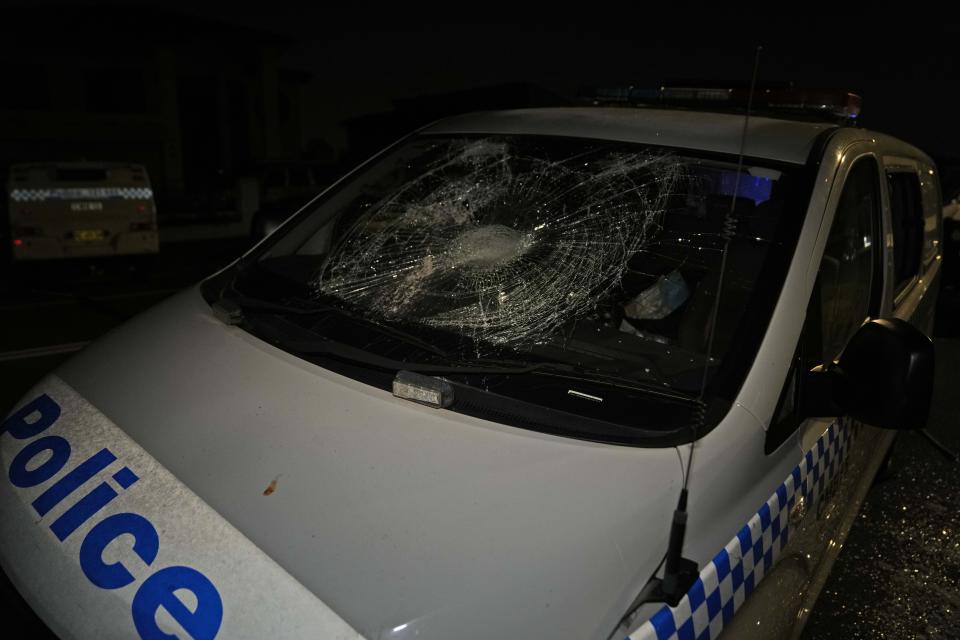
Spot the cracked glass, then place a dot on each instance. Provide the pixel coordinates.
(597, 253)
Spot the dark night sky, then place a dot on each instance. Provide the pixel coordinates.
(906, 69)
(905, 66)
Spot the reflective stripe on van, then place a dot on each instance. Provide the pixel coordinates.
(82, 193)
(728, 580)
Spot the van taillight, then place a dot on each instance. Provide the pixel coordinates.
(17, 242)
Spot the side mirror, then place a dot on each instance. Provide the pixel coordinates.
(884, 378)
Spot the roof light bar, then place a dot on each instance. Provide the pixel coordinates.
(835, 104)
(842, 104)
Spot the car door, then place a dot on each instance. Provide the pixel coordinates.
(880, 259)
(835, 454)
(755, 586)
(770, 574)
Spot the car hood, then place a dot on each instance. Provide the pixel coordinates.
(405, 520)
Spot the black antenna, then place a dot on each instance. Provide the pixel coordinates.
(729, 228)
(680, 573)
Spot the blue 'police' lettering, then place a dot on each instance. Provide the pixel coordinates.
(158, 591)
(82, 511)
(23, 477)
(17, 424)
(125, 478)
(76, 477)
(146, 544)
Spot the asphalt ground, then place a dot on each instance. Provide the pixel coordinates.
(898, 575)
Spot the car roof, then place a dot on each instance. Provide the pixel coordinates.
(768, 138)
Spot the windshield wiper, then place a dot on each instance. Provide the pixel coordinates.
(248, 303)
(297, 340)
(597, 376)
(294, 338)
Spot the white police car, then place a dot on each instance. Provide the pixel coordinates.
(552, 373)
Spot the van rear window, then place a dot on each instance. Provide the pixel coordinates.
(80, 174)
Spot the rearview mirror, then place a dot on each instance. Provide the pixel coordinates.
(884, 378)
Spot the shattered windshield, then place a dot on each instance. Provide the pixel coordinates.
(601, 254)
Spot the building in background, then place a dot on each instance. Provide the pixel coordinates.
(197, 102)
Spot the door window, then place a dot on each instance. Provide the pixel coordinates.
(847, 291)
(849, 281)
(906, 214)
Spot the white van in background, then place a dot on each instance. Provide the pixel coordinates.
(80, 209)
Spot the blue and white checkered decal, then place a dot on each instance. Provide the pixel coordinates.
(727, 580)
(82, 193)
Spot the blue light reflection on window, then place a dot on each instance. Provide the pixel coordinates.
(755, 188)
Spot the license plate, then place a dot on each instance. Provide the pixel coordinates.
(86, 206)
(88, 235)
